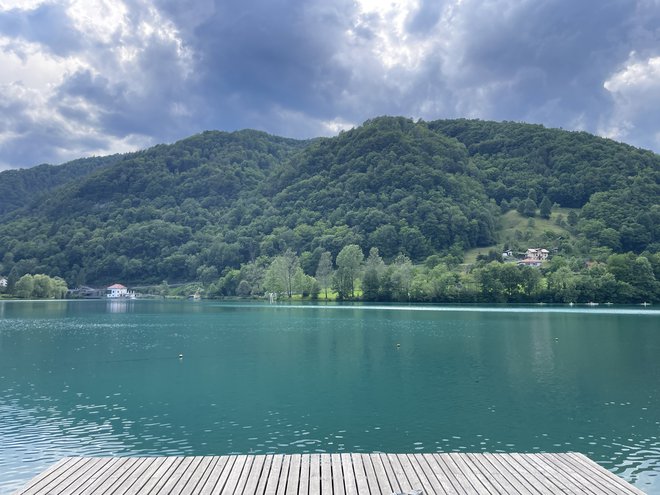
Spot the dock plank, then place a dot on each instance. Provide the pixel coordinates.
(315, 474)
(284, 475)
(400, 473)
(411, 475)
(601, 471)
(563, 484)
(425, 474)
(389, 472)
(303, 485)
(348, 474)
(160, 475)
(246, 473)
(294, 475)
(455, 474)
(234, 474)
(473, 474)
(51, 477)
(127, 474)
(84, 470)
(337, 475)
(593, 473)
(258, 467)
(360, 475)
(569, 471)
(330, 474)
(440, 474)
(171, 478)
(55, 468)
(384, 481)
(515, 461)
(494, 476)
(274, 475)
(326, 473)
(370, 473)
(214, 478)
(96, 469)
(203, 467)
(499, 462)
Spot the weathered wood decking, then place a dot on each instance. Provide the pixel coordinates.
(337, 474)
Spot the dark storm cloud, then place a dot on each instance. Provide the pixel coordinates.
(304, 67)
(259, 54)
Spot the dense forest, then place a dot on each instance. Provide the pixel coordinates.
(247, 212)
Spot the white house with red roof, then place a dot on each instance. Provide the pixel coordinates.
(118, 291)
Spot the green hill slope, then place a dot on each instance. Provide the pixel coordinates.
(216, 200)
(19, 188)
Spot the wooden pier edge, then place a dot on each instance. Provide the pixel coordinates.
(330, 474)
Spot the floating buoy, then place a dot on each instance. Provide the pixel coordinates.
(398, 345)
(180, 356)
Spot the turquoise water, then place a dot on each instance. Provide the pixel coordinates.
(102, 378)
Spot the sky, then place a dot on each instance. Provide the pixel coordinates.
(95, 77)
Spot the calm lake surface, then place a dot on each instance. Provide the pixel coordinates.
(104, 378)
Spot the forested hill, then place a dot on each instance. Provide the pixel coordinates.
(19, 188)
(209, 203)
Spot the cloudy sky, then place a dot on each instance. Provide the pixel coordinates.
(92, 77)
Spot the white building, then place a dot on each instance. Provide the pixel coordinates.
(118, 291)
(537, 254)
(3, 282)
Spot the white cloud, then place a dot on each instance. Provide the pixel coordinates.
(32, 66)
(636, 78)
(336, 125)
(391, 43)
(635, 89)
(20, 4)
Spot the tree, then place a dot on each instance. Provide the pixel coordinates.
(402, 277)
(280, 276)
(58, 288)
(349, 261)
(562, 285)
(243, 289)
(24, 286)
(527, 208)
(374, 267)
(572, 218)
(324, 271)
(207, 274)
(545, 208)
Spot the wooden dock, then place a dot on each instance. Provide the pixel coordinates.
(336, 474)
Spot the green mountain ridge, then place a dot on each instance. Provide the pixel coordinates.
(216, 200)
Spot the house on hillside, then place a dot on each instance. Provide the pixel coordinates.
(3, 282)
(538, 254)
(118, 291)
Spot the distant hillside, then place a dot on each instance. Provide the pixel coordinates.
(216, 200)
(19, 188)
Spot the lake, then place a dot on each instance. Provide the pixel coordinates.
(105, 378)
